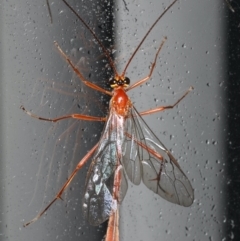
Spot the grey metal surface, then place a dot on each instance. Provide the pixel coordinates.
(193, 55)
(38, 155)
(194, 131)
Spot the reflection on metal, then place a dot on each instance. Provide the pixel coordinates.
(230, 6)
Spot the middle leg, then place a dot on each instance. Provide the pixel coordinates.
(74, 116)
(162, 108)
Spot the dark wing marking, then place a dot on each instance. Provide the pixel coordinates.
(98, 201)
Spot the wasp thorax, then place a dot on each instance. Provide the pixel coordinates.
(120, 102)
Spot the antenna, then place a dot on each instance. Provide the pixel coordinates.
(139, 45)
(95, 36)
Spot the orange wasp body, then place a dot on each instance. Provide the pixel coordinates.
(127, 149)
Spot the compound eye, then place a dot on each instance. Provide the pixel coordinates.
(112, 82)
(126, 81)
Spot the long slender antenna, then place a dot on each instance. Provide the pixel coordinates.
(49, 11)
(129, 61)
(95, 36)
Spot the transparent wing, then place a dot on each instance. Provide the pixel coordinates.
(146, 158)
(99, 201)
